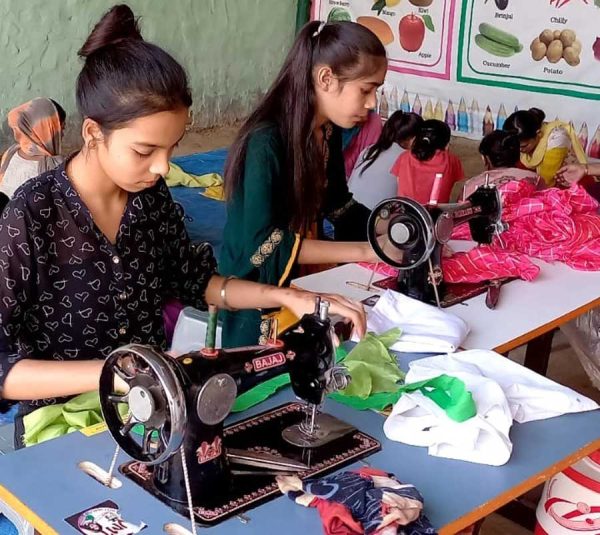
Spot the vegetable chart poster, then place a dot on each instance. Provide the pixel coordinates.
(473, 62)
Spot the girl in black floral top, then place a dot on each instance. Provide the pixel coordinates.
(91, 250)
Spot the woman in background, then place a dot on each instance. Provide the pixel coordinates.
(38, 128)
(545, 147)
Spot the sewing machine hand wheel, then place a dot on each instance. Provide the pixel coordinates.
(155, 398)
(400, 231)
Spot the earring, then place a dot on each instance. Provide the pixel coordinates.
(91, 144)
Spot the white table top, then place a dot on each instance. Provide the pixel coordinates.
(525, 310)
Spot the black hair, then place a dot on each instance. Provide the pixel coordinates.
(351, 51)
(124, 77)
(501, 148)
(62, 114)
(525, 123)
(400, 126)
(433, 135)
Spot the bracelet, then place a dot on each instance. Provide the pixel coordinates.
(586, 169)
(223, 293)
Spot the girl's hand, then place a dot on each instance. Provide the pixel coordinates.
(569, 174)
(301, 302)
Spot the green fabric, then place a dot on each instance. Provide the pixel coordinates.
(372, 367)
(57, 420)
(213, 182)
(265, 390)
(447, 392)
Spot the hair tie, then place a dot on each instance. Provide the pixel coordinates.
(318, 30)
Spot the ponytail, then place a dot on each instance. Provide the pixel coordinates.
(434, 135)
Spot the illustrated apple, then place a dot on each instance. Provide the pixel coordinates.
(412, 32)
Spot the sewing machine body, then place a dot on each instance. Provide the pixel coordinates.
(182, 403)
(416, 235)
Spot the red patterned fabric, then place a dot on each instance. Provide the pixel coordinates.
(485, 263)
(553, 225)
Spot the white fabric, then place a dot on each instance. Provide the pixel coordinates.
(18, 171)
(425, 328)
(559, 138)
(502, 390)
(377, 183)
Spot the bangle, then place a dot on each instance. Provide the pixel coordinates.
(223, 293)
(586, 169)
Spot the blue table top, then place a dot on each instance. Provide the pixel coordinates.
(47, 480)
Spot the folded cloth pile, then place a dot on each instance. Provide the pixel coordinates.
(425, 328)
(503, 391)
(366, 501)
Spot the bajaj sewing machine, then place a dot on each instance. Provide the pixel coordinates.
(172, 423)
(409, 236)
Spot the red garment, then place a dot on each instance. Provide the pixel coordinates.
(485, 263)
(336, 518)
(416, 178)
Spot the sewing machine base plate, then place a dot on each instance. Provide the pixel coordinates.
(263, 432)
(453, 294)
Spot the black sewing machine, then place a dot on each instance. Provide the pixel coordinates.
(178, 405)
(409, 236)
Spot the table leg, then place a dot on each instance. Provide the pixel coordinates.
(538, 351)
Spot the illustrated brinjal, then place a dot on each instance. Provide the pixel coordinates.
(502, 4)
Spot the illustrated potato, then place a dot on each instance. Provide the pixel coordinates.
(577, 46)
(546, 37)
(567, 37)
(555, 51)
(538, 50)
(571, 56)
(557, 34)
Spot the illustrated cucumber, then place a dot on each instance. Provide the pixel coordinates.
(494, 47)
(500, 36)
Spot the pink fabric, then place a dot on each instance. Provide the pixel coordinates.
(485, 263)
(416, 178)
(368, 135)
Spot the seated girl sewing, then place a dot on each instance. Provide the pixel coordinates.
(372, 180)
(285, 171)
(500, 152)
(92, 250)
(416, 170)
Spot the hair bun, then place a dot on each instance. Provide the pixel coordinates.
(117, 24)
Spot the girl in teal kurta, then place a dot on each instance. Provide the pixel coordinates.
(285, 172)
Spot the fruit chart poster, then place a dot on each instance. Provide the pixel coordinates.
(471, 63)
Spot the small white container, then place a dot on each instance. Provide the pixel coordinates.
(190, 331)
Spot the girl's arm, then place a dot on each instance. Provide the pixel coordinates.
(331, 252)
(240, 294)
(39, 379)
(573, 173)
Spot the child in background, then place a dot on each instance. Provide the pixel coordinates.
(372, 180)
(545, 147)
(38, 127)
(416, 170)
(500, 152)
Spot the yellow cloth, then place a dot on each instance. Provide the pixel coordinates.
(546, 162)
(213, 182)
